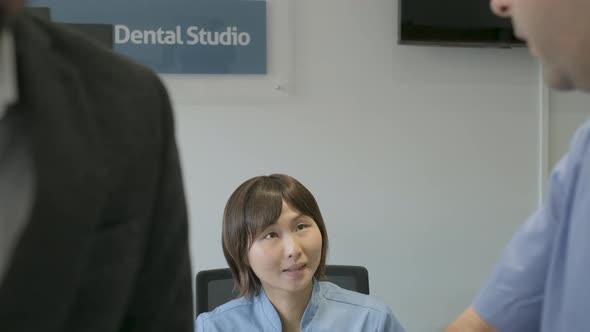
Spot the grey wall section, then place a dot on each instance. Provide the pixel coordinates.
(424, 160)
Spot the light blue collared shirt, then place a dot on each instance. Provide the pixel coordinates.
(330, 309)
(542, 282)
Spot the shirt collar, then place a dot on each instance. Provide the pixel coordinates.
(312, 306)
(272, 315)
(8, 84)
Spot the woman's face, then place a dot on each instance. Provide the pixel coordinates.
(286, 254)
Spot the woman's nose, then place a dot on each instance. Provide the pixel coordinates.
(292, 247)
(502, 8)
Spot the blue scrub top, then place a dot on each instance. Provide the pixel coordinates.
(330, 309)
(542, 282)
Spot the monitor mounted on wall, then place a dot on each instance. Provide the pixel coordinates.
(453, 23)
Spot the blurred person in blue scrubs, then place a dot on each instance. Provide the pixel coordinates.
(275, 243)
(542, 281)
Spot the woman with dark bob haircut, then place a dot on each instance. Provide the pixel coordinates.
(275, 243)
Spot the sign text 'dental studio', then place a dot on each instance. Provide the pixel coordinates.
(191, 35)
(173, 36)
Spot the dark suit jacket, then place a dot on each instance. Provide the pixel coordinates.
(106, 246)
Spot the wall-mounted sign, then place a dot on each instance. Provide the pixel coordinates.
(173, 36)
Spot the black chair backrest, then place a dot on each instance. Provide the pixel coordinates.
(216, 287)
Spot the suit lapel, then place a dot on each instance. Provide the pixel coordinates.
(40, 285)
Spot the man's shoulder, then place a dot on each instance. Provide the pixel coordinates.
(576, 161)
(126, 103)
(91, 60)
(581, 140)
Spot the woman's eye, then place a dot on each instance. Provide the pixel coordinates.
(301, 226)
(271, 235)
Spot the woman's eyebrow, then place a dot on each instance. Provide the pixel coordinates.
(297, 217)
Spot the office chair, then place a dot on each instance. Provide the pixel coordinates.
(215, 287)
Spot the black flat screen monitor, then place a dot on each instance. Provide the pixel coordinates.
(453, 23)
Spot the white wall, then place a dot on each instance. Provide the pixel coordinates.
(423, 159)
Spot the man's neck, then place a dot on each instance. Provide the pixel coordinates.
(290, 306)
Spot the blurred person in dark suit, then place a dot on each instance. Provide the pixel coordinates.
(93, 222)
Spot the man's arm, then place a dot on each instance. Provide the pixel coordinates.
(470, 321)
(512, 299)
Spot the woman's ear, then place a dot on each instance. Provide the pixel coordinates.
(245, 260)
(250, 241)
